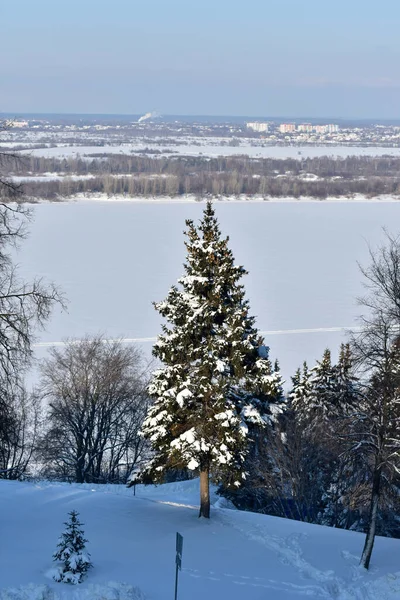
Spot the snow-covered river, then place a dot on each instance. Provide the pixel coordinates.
(112, 259)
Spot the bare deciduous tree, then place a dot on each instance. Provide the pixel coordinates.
(23, 308)
(375, 432)
(8, 161)
(382, 281)
(96, 397)
(19, 432)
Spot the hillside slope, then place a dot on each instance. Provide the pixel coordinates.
(235, 555)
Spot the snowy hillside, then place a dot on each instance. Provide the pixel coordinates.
(235, 555)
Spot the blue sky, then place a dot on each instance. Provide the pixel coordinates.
(220, 57)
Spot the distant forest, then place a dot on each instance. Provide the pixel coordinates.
(152, 176)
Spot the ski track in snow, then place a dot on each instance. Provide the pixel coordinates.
(327, 585)
(256, 582)
(144, 340)
(290, 554)
(113, 261)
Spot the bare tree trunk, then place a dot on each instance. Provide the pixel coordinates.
(205, 494)
(80, 467)
(369, 540)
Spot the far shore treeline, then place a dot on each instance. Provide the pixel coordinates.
(154, 175)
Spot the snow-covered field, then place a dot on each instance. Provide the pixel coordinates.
(235, 555)
(49, 177)
(113, 259)
(212, 148)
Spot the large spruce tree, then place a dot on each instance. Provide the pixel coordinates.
(216, 380)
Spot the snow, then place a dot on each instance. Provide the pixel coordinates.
(108, 591)
(211, 147)
(220, 366)
(188, 436)
(114, 259)
(193, 464)
(180, 398)
(241, 199)
(49, 177)
(235, 555)
(227, 418)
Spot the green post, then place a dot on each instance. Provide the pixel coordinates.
(178, 560)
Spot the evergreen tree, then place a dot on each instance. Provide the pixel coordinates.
(344, 403)
(217, 379)
(305, 452)
(347, 394)
(315, 402)
(323, 383)
(327, 392)
(71, 552)
(315, 392)
(321, 399)
(259, 465)
(299, 396)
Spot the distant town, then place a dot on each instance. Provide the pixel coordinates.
(306, 133)
(260, 127)
(81, 129)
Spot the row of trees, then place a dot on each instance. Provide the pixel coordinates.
(294, 468)
(132, 164)
(223, 176)
(213, 185)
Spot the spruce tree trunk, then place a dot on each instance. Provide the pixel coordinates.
(369, 540)
(205, 493)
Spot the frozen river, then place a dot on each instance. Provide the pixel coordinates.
(213, 147)
(113, 259)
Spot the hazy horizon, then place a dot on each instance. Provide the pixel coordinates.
(229, 58)
(190, 117)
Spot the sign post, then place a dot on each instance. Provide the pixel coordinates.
(178, 560)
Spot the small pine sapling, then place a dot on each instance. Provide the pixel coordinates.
(71, 552)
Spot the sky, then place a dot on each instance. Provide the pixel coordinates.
(316, 58)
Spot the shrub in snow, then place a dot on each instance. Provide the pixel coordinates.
(71, 553)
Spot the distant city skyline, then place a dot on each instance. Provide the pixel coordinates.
(15, 117)
(281, 58)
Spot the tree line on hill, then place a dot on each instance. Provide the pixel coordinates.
(147, 176)
(135, 164)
